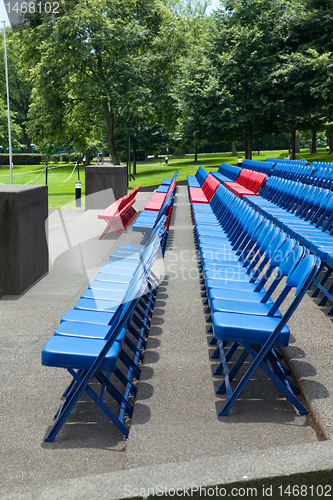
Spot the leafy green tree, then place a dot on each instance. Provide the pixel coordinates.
(15, 128)
(19, 87)
(245, 41)
(93, 62)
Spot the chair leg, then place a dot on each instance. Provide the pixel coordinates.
(260, 360)
(82, 386)
(322, 282)
(231, 374)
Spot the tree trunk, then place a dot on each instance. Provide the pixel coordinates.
(293, 145)
(87, 158)
(134, 161)
(195, 153)
(26, 140)
(314, 141)
(233, 149)
(110, 120)
(248, 145)
(330, 142)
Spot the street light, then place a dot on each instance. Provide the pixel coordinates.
(8, 107)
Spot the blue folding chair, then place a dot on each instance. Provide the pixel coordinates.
(88, 342)
(258, 336)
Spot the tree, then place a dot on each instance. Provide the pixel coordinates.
(19, 87)
(15, 129)
(92, 62)
(245, 41)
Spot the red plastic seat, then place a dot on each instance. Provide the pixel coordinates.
(205, 193)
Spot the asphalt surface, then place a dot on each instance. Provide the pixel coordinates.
(177, 439)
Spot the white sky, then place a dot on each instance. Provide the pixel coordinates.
(3, 14)
(215, 4)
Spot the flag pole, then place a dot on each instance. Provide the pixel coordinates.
(8, 107)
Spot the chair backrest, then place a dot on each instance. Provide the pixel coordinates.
(201, 175)
(209, 186)
(299, 277)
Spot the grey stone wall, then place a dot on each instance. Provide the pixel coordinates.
(23, 239)
(99, 180)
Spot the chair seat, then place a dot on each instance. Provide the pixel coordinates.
(163, 188)
(192, 181)
(115, 278)
(197, 195)
(221, 293)
(245, 327)
(108, 285)
(77, 353)
(86, 330)
(236, 306)
(97, 305)
(103, 294)
(232, 285)
(120, 267)
(228, 274)
(90, 317)
(156, 201)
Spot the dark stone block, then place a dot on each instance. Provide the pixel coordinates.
(99, 180)
(23, 239)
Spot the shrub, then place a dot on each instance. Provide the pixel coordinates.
(22, 159)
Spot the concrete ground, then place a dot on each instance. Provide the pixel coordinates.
(177, 440)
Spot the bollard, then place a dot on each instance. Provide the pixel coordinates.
(78, 193)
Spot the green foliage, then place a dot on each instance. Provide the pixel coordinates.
(100, 61)
(20, 89)
(164, 72)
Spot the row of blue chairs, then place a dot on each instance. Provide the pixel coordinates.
(101, 339)
(287, 160)
(318, 173)
(259, 166)
(305, 212)
(148, 219)
(198, 179)
(243, 257)
(322, 177)
(300, 173)
(227, 173)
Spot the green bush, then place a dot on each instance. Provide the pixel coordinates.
(77, 156)
(65, 157)
(22, 159)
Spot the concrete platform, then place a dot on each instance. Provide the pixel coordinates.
(177, 443)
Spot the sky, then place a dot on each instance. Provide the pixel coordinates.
(214, 5)
(3, 14)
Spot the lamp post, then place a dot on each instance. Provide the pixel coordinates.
(8, 107)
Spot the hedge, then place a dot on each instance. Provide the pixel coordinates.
(22, 159)
(36, 158)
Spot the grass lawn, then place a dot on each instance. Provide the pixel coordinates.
(61, 179)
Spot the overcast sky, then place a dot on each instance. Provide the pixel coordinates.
(3, 13)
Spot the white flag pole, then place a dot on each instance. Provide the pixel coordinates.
(8, 107)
